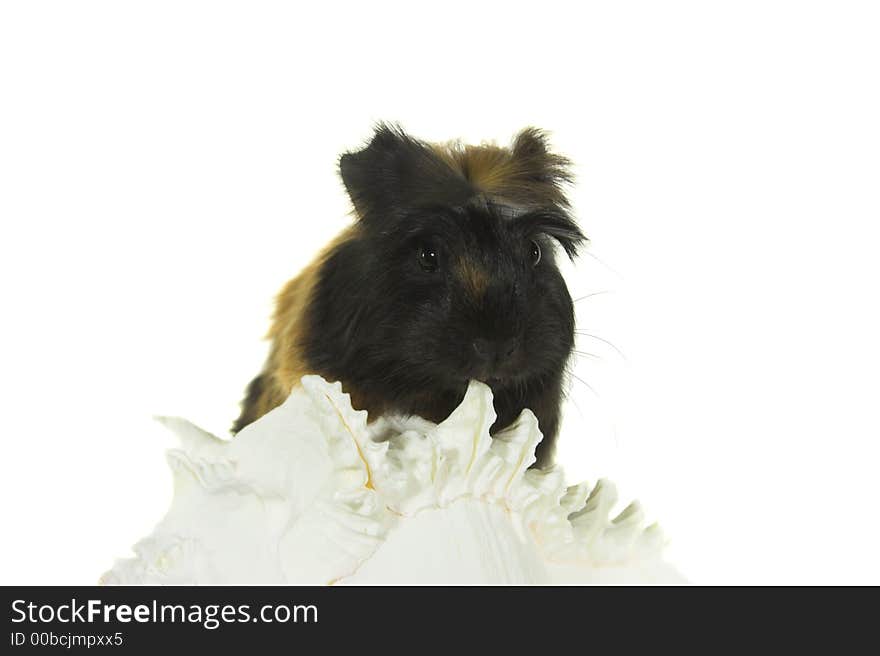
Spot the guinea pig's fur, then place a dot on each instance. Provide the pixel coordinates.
(446, 275)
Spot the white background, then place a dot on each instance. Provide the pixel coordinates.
(166, 166)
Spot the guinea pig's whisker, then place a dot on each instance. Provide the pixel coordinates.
(577, 406)
(585, 384)
(603, 340)
(585, 296)
(588, 355)
(595, 257)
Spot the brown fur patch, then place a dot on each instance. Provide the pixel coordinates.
(286, 364)
(288, 323)
(473, 277)
(526, 173)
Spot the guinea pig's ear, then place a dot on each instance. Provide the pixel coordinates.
(546, 175)
(393, 172)
(544, 171)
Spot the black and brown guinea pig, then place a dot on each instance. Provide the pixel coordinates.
(446, 275)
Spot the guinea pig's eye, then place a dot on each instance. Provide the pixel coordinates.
(428, 258)
(535, 252)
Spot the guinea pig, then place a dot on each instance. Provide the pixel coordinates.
(447, 274)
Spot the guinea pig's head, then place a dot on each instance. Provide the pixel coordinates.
(455, 263)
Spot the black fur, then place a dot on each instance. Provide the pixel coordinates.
(403, 337)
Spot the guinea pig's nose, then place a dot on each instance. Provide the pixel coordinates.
(492, 351)
(508, 347)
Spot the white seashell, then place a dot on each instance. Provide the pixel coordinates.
(312, 494)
